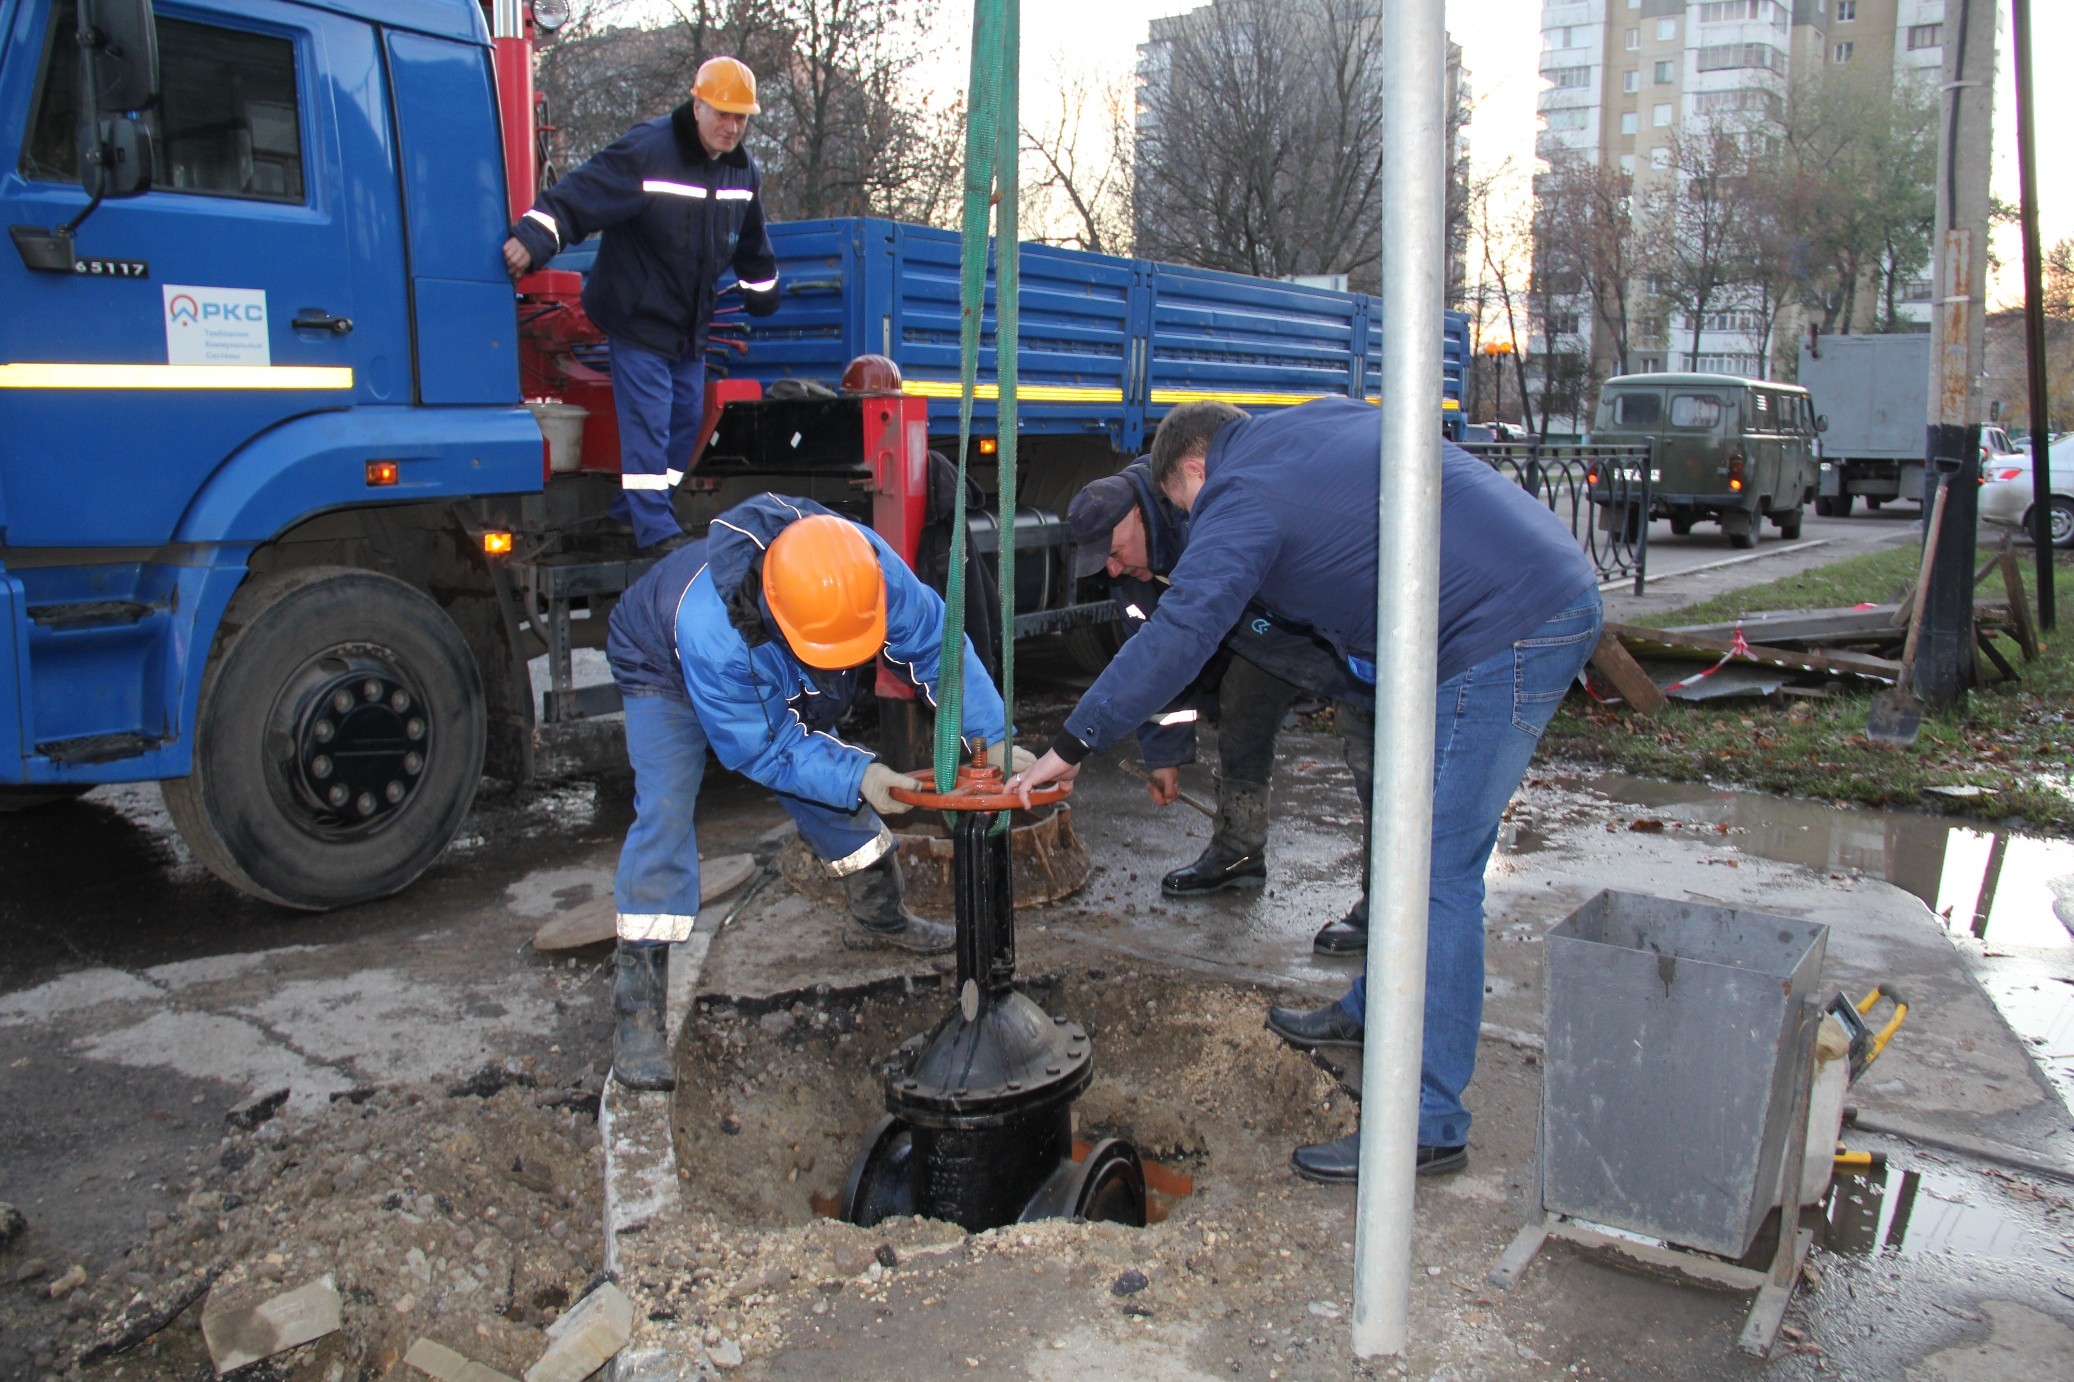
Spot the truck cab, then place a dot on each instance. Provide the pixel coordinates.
(254, 387)
(1728, 450)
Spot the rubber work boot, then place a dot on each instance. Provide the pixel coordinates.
(1236, 856)
(1348, 935)
(879, 919)
(640, 988)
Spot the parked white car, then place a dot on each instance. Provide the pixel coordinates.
(2006, 493)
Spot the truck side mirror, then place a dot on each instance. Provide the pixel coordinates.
(118, 74)
(1822, 422)
(118, 43)
(118, 56)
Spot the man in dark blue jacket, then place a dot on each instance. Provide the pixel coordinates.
(678, 201)
(1123, 525)
(1282, 512)
(752, 641)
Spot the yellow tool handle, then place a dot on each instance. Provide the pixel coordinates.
(1886, 1033)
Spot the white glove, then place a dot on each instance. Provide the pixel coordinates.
(879, 780)
(1010, 758)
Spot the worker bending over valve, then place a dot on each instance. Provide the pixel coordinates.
(1282, 511)
(1123, 525)
(679, 201)
(753, 641)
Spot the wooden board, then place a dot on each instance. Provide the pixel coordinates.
(1646, 642)
(596, 921)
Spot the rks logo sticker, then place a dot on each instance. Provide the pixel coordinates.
(216, 326)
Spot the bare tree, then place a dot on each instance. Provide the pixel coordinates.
(1691, 215)
(1260, 147)
(2059, 280)
(842, 131)
(1080, 193)
(1504, 236)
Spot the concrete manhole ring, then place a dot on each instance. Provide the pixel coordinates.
(1049, 860)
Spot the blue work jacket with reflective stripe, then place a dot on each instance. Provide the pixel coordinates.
(674, 218)
(1286, 518)
(696, 627)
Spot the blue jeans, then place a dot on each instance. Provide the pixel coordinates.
(657, 888)
(660, 402)
(1488, 720)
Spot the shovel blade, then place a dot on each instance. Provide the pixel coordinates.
(1897, 717)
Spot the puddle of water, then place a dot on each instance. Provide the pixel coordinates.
(2006, 899)
(1999, 888)
(1905, 1213)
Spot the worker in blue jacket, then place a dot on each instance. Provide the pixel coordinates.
(1123, 525)
(753, 641)
(678, 200)
(1282, 512)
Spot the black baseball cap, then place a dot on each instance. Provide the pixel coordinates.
(1093, 517)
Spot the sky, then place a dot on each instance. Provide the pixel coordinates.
(1501, 43)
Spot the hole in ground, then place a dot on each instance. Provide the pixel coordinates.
(773, 1101)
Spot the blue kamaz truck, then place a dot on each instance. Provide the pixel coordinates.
(279, 524)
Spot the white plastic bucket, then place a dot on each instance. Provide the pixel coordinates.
(562, 425)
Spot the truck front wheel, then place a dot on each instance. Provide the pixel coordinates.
(339, 740)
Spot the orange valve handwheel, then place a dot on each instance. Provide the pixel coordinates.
(980, 787)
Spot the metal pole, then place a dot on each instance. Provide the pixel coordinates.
(1407, 626)
(2034, 312)
(1945, 652)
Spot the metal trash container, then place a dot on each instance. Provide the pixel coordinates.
(1678, 1037)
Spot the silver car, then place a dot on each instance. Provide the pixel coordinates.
(2006, 492)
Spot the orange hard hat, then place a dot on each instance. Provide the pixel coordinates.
(727, 84)
(871, 374)
(826, 591)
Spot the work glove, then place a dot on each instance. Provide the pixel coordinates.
(1010, 758)
(879, 782)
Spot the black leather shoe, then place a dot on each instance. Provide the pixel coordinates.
(1214, 872)
(1347, 936)
(1326, 1026)
(1329, 1163)
(1339, 1162)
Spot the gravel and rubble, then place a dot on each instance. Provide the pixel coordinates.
(464, 1211)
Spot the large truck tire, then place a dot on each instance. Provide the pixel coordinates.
(1091, 645)
(339, 741)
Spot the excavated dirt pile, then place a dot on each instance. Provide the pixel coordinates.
(465, 1212)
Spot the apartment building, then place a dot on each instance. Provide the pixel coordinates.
(1625, 76)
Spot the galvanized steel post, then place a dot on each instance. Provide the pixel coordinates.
(1414, 38)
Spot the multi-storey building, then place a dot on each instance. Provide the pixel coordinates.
(1626, 76)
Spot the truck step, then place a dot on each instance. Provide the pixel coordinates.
(98, 748)
(93, 614)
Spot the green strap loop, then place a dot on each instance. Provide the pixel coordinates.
(992, 127)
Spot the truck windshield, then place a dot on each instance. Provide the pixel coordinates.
(1695, 410)
(1637, 409)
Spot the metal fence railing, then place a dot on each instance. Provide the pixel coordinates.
(1601, 491)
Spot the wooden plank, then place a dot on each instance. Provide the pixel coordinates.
(1619, 667)
(1789, 626)
(1985, 642)
(2019, 605)
(1641, 640)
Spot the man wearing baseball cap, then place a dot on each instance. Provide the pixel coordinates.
(679, 202)
(1123, 525)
